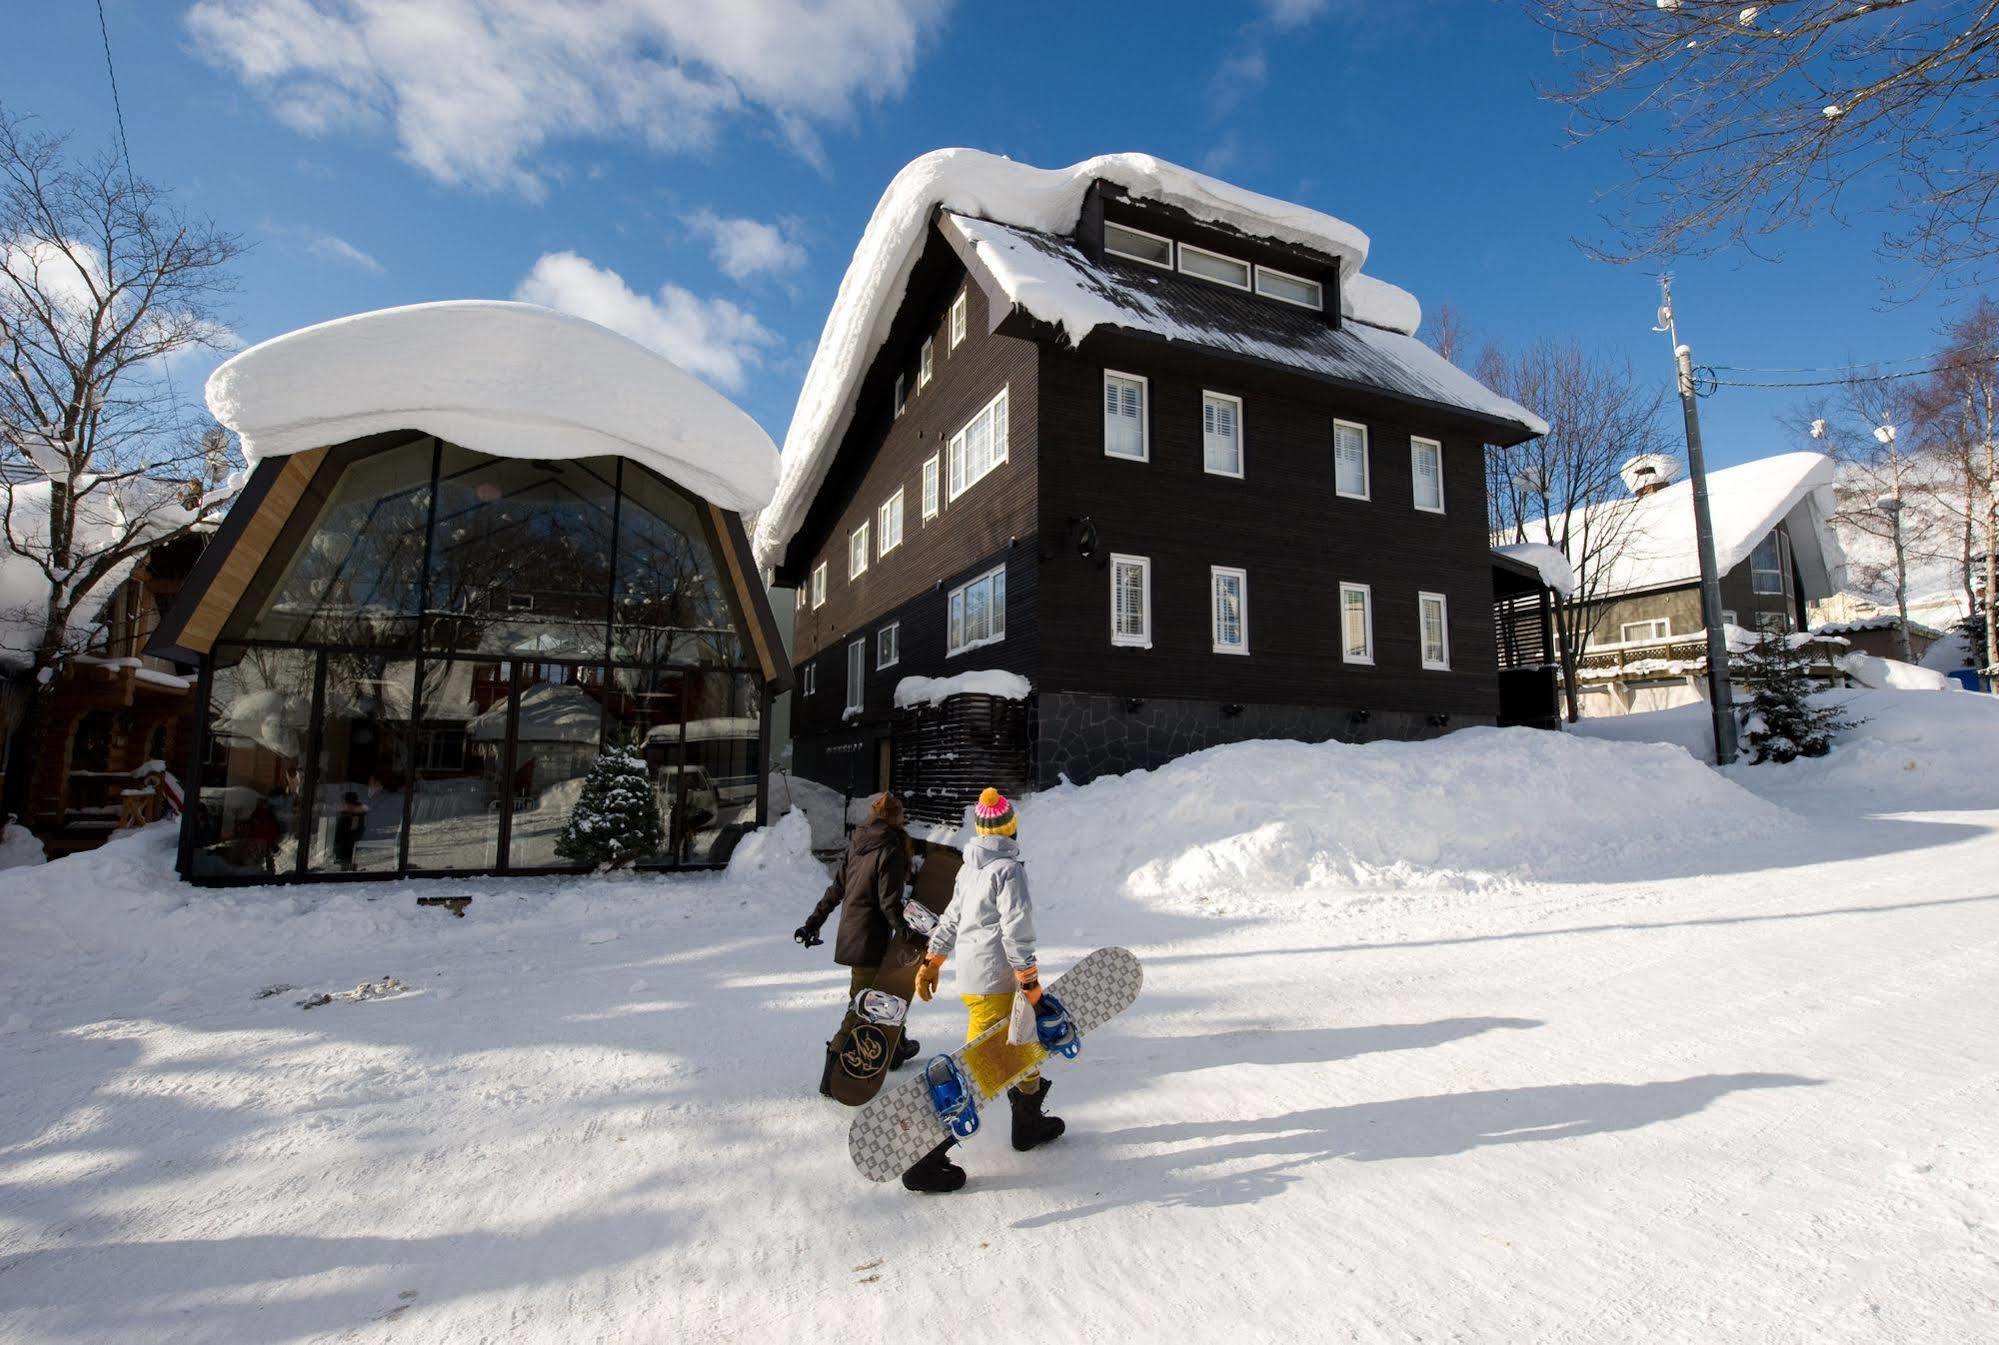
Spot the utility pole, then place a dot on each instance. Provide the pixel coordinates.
(1720, 698)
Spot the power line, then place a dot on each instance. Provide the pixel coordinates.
(125, 146)
(1825, 368)
(1710, 382)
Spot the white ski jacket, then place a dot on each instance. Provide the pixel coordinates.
(990, 921)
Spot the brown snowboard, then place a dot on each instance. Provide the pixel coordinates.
(865, 1049)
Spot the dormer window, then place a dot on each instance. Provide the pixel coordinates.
(1290, 289)
(1121, 240)
(1214, 266)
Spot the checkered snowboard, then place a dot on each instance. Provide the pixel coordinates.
(898, 1126)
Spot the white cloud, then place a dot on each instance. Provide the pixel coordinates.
(475, 89)
(746, 247)
(712, 339)
(337, 249)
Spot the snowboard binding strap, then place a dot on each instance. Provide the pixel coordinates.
(1055, 1028)
(951, 1096)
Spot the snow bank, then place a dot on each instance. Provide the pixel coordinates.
(1256, 824)
(988, 186)
(511, 379)
(820, 805)
(1553, 566)
(1888, 673)
(982, 681)
(20, 848)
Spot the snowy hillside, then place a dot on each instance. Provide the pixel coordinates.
(1511, 1036)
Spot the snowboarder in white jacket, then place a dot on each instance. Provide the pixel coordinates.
(990, 926)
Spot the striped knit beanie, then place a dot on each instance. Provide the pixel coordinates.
(994, 815)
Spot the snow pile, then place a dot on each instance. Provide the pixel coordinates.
(1909, 751)
(1888, 673)
(1553, 566)
(826, 810)
(1951, 650)
(1258, 823)
(981, 681)
(20, 848)
(971, 182)
(511, 379)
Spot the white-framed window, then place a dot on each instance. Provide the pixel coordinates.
(1356, 623)
(808, 678)
(1290, 289)
(957, 324)
(931, 467)
(1350, 459)
(1214, 266)
(1229, 609)
(1221, 433)
(976, 613)
(857, 674)
(1125, 416)
(1658, 628)
(1434, 617)
(1131, 601)
(801, 597)
(979, 447)
(1766, 566)
(857, 552)
(1121, 240)
(1728, 618)
(819, 585)
(888, 642)
(1426, 469)
(901, 392)
(888, 523)
(925, 364)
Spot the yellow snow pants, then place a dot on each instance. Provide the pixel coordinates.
(981, 1012)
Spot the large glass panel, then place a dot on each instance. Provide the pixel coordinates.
(364, 763)
(354, 578)
(722, 737)
(245, 821)
(672, 598)
(644, 711)
(459, 781)
(521, 566)
(558, 717)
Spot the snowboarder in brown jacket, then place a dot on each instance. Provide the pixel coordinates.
(869, 888)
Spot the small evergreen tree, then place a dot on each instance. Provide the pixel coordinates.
(617, 819)
(1780, 722)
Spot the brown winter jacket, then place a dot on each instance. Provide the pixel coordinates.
(868, 889)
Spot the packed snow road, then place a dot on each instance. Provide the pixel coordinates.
(1740, 1090)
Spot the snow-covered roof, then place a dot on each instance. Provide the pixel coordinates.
(985, 187)
(1549, 562)
(514, 380)
(550, 712)
(1885, 621)
(1656, 546)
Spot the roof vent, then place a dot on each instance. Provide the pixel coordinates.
(1649, 472)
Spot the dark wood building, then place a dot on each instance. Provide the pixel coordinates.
(1229, 507)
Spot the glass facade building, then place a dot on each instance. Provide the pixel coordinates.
(437, 645)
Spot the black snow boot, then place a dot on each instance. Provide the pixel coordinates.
(904, 1051)
(826, 1076)
(1030, 1127)
(934, 1172)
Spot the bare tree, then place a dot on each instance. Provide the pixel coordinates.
(1564, 489)
(102, 280)
(1444, 329)
(1959, 403)
(1748, 120)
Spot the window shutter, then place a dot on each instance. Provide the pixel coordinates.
(1124, 417)
(1220, 445)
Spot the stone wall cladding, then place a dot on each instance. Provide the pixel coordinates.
(1079, 736)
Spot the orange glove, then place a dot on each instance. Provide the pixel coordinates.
(1029, 981)
(926, 977)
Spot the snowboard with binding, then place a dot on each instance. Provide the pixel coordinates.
(865, 1049)
(911, 1119)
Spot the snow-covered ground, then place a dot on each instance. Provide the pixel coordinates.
(1511, 1037)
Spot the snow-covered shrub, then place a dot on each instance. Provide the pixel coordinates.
(616, 819)
(1781, 723)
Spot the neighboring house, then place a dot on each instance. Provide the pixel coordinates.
(1881, 635)
(1152, 443)
(1774, 545)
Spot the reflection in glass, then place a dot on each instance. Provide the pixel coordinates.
(363, 765)
(459, 789)
(354, 579)
(557, 723)
(672, 604)
(722, 742)
(246, 816)
(643, 713)
(521, 565)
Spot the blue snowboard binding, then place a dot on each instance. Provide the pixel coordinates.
(951, 1096)
(1056, 1029)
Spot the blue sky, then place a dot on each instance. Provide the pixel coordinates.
(706, 175)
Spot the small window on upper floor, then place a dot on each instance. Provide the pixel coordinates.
(888, 644)
(888, 523)
(1631, 632)
(857, 552)
(1121, 240)
(957, 320)
(808, 679)
(801, 597)
(924, 365)
(1221, 434)
(1766, 566)
(1350, 459)
(1125, 416)
(819, 585)
(1214, 266)
(930, 474)
(1426, 467)
(980, 446)
(1290, 289)
(901, 392)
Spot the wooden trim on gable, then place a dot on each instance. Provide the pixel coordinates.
(752, 600)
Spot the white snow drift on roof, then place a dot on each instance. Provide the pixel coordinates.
(514, 380)
(974, 183)
(1553, 566)
(983, 681)
(1656, 545)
